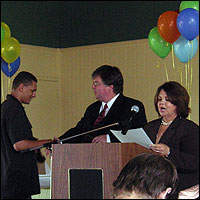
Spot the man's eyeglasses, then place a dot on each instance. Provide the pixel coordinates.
(96, 83)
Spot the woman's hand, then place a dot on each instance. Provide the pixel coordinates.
(160, 148)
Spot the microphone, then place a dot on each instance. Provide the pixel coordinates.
(134, 110)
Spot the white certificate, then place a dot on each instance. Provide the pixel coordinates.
(137, 135)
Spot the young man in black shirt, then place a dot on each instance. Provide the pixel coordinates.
(19, 172)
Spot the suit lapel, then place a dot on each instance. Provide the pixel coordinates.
(170, 132)
(113, 110)
(96, 110)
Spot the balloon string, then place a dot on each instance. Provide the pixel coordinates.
(191, 77)
(181, 75)
(158, 65)
(173, 65)
(190, 105)
(9, 84)
(188, 85)
(2, 89)
(166, 72)
(186, 76)
(191, 74)
(190, 100)
(9, 79)
(173, 57)
(191, 71)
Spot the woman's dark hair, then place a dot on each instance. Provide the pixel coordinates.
(177, 95)
(149, 175)
(23, 77)
(110, 76)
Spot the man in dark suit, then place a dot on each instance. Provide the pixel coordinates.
(108, 89)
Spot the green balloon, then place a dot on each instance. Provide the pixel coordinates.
(2, 33)
(159, 46)
(189, 4)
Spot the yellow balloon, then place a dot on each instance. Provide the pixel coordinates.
(6, 29)
(10, 49)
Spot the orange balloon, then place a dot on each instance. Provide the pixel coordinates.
(167, 27)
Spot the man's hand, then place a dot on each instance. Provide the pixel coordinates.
(48, 149)
(100, 139)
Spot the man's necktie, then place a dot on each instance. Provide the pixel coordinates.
(89, 137)
(100, 117)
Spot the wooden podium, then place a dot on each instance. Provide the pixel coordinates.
(109, 158)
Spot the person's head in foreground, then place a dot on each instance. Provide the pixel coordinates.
(147, 176)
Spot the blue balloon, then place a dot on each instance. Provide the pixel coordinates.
(188, 23)
(9, 71)
(184, 49)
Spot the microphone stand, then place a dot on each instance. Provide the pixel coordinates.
(48, 145)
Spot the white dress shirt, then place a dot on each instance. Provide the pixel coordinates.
(109, 104)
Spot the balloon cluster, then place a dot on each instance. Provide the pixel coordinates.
(177, 30)
(10, 51)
